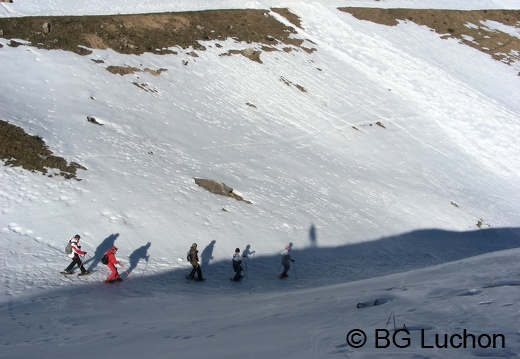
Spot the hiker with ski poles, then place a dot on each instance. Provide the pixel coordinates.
(193, 258)
(111, 262)
(75, 253)
(237, 265)
(286, 260)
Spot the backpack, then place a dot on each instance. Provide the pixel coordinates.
(188, 256)
(68, 248)
(104, 260)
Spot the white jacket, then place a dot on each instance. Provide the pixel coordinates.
(75, 248)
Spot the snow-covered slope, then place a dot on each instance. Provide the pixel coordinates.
(464, 309)
(395, 165)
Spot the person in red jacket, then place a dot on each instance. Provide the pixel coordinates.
(76, 260)
(112, 261)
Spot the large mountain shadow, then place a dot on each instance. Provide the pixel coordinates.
(317, 266)
(401, 253)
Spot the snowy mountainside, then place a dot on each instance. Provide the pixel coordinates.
(387, 156)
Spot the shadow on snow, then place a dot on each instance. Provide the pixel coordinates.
(315, 266)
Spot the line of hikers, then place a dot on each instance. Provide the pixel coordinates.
(193, 258)
(109, 259)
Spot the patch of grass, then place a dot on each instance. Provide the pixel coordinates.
(18, 148)
(155, 33)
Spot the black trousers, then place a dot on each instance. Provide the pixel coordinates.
(285, 269)
(198, 270)
(238, 272)
(76, 261)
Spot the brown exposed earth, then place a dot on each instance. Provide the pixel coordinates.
(159, 33)
(156, 33)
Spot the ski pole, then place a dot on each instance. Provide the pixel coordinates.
(127, 275)
(81, 260)
(86, 255)
(145, 268)
(84, 241)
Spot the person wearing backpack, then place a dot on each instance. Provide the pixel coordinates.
(111, 264)
(237, 265)
(75, 252)
(193, 258)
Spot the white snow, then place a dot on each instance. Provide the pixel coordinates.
(387, 214)
(513, 31)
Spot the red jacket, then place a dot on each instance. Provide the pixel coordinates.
(111, 258)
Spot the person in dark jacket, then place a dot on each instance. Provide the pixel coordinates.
(237, 265)
(193, 256)
(76, 260)
(286, 260)
(112, 261)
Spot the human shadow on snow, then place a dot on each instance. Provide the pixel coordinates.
(137, 255)
(107, 243)
(207, 254)
(313, 237)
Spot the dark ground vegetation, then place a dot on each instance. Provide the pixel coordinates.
(18, 148)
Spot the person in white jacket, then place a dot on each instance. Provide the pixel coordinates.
(237, 265)
(286, 260)
(76, 260)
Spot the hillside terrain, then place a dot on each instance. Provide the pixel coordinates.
(161, 33)
(379, 144)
